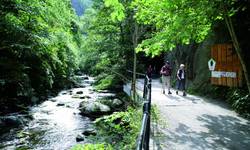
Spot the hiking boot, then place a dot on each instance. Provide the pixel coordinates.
(169, 92)
(184, 94)
(176, 92)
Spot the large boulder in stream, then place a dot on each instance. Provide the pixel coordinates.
(113, 103)
(93, 109)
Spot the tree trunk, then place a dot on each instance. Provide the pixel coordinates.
(190, 55)
(135, 41)
(238, 50)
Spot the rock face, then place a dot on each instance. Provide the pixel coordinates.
(93, 109)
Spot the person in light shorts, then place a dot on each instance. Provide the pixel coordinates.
(166, 71)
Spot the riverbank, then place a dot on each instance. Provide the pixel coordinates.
(56, 123)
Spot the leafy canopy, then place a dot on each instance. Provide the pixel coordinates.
(176, 22)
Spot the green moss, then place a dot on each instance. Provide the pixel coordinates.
(101, 146)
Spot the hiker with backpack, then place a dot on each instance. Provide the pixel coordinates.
(166, 71)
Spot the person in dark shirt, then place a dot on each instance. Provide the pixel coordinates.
(149, 71)
(166, 71)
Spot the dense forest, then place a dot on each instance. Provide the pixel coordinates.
(40, 43)
(180, 31)
(44, 43)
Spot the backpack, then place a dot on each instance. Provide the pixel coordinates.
(166, 70)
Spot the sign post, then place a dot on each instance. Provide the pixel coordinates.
(211, 64)
(225, 66)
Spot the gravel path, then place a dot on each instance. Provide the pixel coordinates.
(194, 123)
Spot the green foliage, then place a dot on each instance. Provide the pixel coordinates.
(116, 131)
(120, 129)
(39, 45)
(155, 113)
(240, 101)
(110, 82)
(93, 147)
(177, 22)
(118, 9)
(106, 49)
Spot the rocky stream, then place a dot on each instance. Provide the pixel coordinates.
(59, 122)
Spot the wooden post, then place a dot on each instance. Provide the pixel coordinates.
(236, 44)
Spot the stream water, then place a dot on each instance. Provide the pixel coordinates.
(55, 124)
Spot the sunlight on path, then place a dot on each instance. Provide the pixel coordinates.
(194, 123)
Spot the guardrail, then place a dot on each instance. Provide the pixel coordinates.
(144, 136)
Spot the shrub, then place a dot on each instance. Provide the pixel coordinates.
(240, 101)
(108, 82)
(120, 129)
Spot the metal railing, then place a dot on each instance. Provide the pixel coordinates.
(144, 136)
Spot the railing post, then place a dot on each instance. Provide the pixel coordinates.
(145, 87)
(150, 93)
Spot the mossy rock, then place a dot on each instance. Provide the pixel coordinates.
(94, 109)
(111, 102)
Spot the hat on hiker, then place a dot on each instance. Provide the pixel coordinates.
(182, 65)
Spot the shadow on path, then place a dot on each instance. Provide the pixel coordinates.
(224, 132)
(196, 123)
